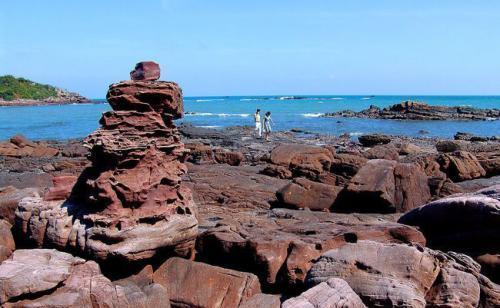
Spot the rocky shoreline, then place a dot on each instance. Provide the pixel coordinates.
(63, 98)
(420, 111)
(144, 214)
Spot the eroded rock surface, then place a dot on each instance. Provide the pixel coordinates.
(129, 203)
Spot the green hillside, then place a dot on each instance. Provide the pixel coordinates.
(12, 88)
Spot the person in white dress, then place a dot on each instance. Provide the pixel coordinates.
(258, 125)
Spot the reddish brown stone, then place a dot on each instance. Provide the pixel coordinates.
(146, 96)
(302, 160)
(461, 166)
(194, 284)
(303, 193)
(62, 188)
(228, 157)
(146, 70)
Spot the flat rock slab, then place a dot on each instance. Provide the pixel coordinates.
(231, 186)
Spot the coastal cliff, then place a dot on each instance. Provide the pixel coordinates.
(23, 92)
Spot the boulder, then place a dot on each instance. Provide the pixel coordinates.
(63, 185)
(381, 274)
(49, 278)
(9, 199)
(490, 266)
(7, 244)
(461, 166)
(373, 139)
(384, 186)
(450, 146)
(19, 146)
(129, 203)
(194, 284)
(200, 153)
(146, 70)
(333, 293)
(490, 161)
(303, 193)
(277, 171)
(407, 148)
(466, 223)
(231, 158)
(302, 160)
(388, 152)
(347, 165)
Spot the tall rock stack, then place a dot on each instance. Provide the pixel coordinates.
(130, 203)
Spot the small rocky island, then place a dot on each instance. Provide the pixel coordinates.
(23, 92)
(410, 110)
(142, 213)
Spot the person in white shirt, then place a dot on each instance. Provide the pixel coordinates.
(267, 125)
(258, 126)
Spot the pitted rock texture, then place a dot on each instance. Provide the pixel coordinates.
(50, 278)
(130, 202)
(333, 293)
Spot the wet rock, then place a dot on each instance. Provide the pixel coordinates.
(373, 139)
(384, 186)
(146, 70)
(7, 244)
(130, 203)
(10, 197)
(466, 222)
(303, 193)
(461, 166)
(194, 284)
(333, 293)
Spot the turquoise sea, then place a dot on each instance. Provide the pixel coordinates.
(75, 121)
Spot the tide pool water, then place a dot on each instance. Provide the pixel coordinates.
(60, 122)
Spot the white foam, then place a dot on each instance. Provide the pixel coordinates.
(209, 100)
(337, 98)
(312, 115)
(199, 114)
(356, 133)
(210, 126)
(366, 98)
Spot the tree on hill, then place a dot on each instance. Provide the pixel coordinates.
(12, 88)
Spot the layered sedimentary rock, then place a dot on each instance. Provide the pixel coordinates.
(130, 203)
(421, 111)
(399, 275)
(333, 293)
(280, 246)
(195, 284)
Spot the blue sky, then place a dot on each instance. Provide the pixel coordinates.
(258, 47)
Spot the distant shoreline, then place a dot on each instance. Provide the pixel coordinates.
(30, 102)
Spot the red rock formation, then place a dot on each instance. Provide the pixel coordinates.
(146, 70)
(130, 202)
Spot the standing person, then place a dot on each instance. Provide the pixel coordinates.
(267, 125)
(258, 126)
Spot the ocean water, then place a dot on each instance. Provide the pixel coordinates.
(62, 122)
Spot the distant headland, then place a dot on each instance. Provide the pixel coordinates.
(23, 92)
